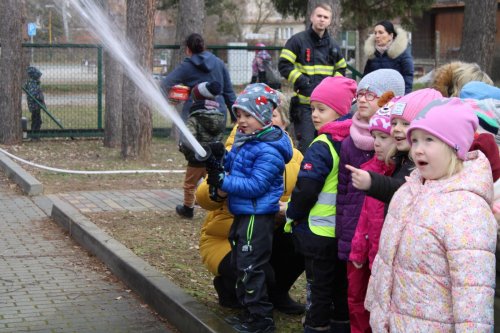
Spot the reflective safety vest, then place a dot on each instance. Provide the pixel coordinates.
(323, 214)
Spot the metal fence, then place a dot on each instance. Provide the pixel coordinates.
(73, 83)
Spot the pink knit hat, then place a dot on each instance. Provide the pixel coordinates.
(410, 105)
(336, 92)
(449, 119)
(381, 120)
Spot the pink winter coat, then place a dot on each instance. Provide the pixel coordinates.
(364, 245)
(435, 268)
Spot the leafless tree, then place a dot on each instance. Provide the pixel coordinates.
(264, 11)
(137, 119)
(478, 34)
(10, 71)
(113, 73)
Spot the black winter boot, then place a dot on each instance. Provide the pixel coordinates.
(184, 211)
(284, 303)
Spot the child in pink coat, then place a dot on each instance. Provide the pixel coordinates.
(435, 268)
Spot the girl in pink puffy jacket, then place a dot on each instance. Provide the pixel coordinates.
(435, 267)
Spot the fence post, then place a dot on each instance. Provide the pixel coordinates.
(357, 54)
(99, 87)
(437, 50)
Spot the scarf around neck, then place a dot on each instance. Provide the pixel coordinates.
(360, 134)
(240, 138)
(382, 49)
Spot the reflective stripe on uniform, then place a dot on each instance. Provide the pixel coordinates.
(294, 75)
(288, 55)
(303, 99)
(341, 64)
(325, 70)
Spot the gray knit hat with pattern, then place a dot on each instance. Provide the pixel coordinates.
(259, 100)
(383, 80)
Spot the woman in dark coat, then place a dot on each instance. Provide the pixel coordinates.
(388, 47)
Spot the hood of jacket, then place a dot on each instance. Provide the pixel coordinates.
(475, 177)
(280, 140)
(398, 46)
(205, 61)
(34, 73)
(444, 78)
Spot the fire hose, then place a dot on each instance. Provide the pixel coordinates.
(87, 172)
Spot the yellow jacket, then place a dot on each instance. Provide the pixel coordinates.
(214, 243)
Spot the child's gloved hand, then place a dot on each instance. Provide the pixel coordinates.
(215, 177)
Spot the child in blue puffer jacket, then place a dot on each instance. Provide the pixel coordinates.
(253, 183)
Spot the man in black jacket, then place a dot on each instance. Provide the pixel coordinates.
(307, 58)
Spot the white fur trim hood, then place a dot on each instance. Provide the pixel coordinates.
(398, 46)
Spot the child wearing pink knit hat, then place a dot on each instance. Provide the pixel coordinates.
(435, 268)
(311, 210)
(403, 112)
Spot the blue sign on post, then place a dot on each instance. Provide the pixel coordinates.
(31, 29)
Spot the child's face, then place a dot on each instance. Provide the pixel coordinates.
(278, 120)
(432, 156)
(398, 132)
(383, 144)
(246, 122)
(322, 114)
(367, 104)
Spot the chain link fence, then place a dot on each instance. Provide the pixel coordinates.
(73, 83)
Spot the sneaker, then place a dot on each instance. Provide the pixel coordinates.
(185, 211)
(256, 324)
(284, 303)
(238, 319)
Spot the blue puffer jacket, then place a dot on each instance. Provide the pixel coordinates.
(199, 68)
(397, 57)
(254, 180)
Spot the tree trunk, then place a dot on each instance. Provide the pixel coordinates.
(335, 26)
(478, 34)
(137, 119)
(363, 35)
(113, 73)
(190, 19)
(10, 71)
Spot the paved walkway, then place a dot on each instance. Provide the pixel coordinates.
(49, 284)
(132, 200)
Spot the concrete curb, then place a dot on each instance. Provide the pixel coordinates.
(182, 310)
(28, 184)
